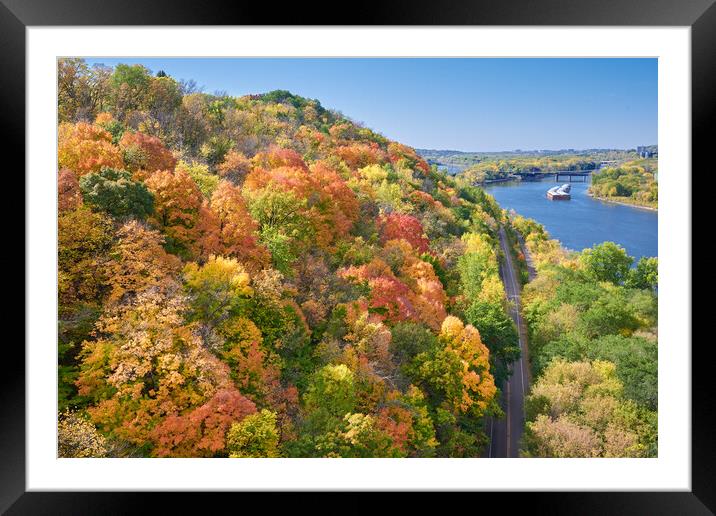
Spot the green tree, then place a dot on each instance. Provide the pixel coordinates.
(645, 275)
(357, 436)
(499, 334)
(205, 180)
(255, 436)
(114, 192)
(130, 88)
(282, 227)
(606, 262)
(636, 361)
(609, 315)
(410, 339)
(331, 395)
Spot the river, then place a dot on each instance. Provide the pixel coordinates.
(582, 221)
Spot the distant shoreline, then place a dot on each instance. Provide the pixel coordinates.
(622, 203)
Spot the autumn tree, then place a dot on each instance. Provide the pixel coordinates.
(144, 154)
(254, 368)
(458, 374)
(336, 203)
(147, 364)
(235, 167)
(576, 409)
(216, 288)
(202, 432)
(85, 148)
(237, 230)
(110, 124)
(139, 262)
(178, 206)
(69, 195)
(428, 295)
(402, 155)
(396, 226)
(276, 157)
(358, 155)
(389, 297)
(357, 436)
(77, 437)
(370, 338)
(84, 239)
(328, 205)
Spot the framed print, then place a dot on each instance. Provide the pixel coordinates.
(410, 254)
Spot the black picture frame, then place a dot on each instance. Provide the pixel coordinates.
(700, 15)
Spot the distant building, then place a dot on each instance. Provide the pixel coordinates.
(646, 151)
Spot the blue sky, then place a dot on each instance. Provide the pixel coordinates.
(461, 104)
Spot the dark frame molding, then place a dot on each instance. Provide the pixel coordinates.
(700, 15)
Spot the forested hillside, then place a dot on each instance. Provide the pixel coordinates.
(259, 276)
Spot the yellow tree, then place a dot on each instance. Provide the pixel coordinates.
(478, 385)
(139, 262)
(85, 148)
(84, 239)
(146, 364)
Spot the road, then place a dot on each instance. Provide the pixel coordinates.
(505, 433)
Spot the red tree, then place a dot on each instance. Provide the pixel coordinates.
(277, 157)
(396, 226)
(202, 432)
(359, 155)
(144, 154)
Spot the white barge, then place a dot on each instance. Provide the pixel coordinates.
(559, 193)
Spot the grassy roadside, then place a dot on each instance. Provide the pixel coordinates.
(517, 253)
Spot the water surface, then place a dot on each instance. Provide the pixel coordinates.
(582, 221)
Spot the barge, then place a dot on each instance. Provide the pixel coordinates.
(559, 193)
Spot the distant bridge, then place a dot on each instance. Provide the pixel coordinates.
(570, 174)
(573, 173)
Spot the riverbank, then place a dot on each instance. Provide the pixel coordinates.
(623, 201)
(499, 180)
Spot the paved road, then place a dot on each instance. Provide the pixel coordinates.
(505, 433)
